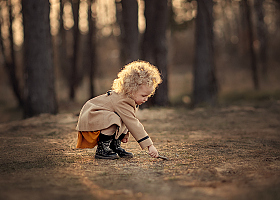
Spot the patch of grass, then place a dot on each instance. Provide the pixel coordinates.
(9, 167)
(249, 95)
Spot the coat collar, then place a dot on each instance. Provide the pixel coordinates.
(121, 96)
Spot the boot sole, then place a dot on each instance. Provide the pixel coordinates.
(107, 157)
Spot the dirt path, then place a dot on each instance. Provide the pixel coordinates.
(224, 153)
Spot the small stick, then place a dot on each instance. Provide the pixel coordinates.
(160, 156)
(163, 157)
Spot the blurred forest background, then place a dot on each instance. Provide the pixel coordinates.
(56, 55)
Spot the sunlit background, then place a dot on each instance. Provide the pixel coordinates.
(106, 17)
(229, 41)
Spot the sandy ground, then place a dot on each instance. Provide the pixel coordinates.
(227, 153)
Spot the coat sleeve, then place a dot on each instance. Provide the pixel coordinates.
(127, 113)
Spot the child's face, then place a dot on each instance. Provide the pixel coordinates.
(142, 95)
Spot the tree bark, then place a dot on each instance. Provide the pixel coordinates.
(10, 64)
(76, 37)
(38, 58)
(130, 32)
(64, 61)
(154, 46)
(253, 60)
(205, 84)
(262, 35)
(91, 47)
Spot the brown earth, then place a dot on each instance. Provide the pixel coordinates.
(223, 153)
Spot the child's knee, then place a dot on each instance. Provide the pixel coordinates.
(109, 131)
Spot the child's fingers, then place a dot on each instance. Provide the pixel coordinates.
(125, 140)
(153, 154)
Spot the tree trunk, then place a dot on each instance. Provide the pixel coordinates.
(10, 64)
(205, 84)
(255, 78)
(76, 37)
(64, 61)
(262, 35)
(38, 58)
(91, 47)
(130, 32)
(154, 47)
(121, 26)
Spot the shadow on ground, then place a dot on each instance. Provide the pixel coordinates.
(222, 153)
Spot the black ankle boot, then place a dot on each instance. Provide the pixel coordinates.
(116, 147)
(103, 150)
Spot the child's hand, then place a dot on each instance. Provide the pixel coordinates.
(153, 151)
(125, 139)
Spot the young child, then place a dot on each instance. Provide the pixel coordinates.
(107, 120)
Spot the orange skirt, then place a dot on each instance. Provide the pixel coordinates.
(87, 139)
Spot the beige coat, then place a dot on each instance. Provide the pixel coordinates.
(105, 110)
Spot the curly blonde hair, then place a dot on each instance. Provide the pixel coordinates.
(135, 74)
